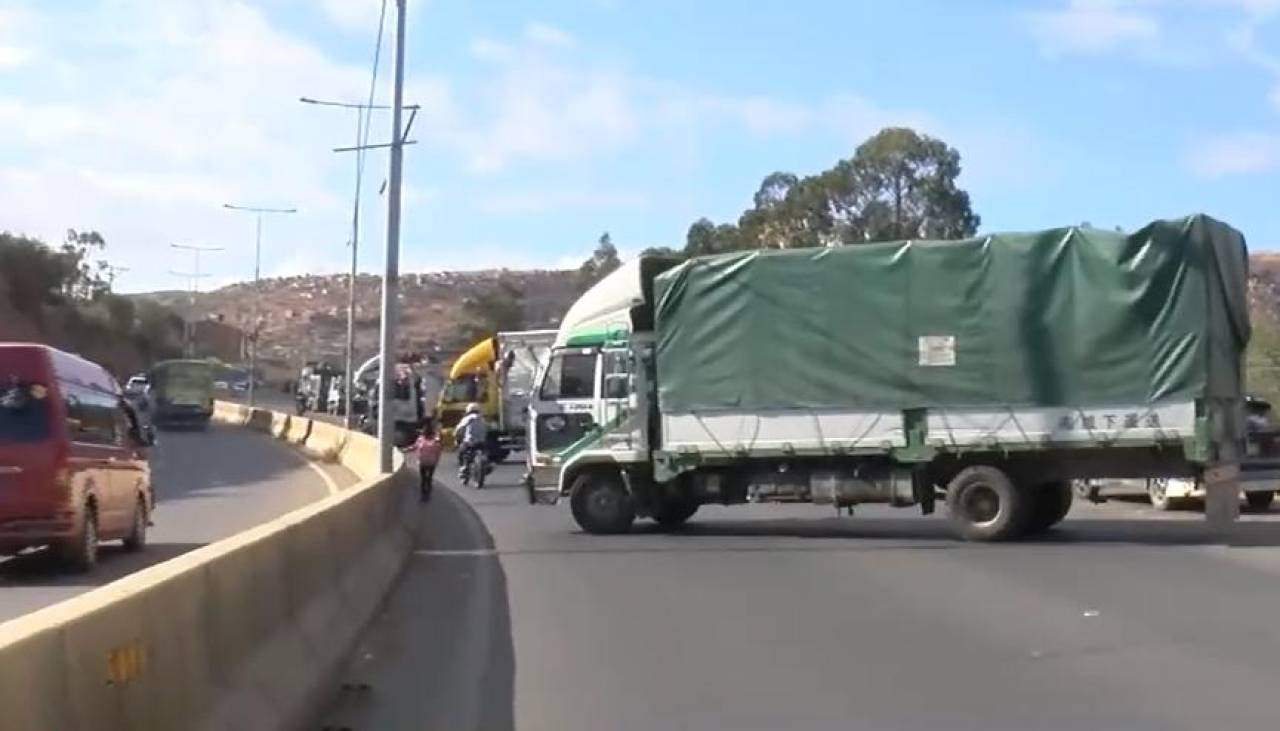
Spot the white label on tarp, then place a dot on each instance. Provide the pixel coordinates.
(937, 350)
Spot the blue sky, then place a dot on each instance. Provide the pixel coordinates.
(546, 123)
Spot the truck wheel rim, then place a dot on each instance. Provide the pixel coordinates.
(980, 504)
(603, 504)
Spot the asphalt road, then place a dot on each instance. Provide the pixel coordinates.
(208, 485)
(784, 617)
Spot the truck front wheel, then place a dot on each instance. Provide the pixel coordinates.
(985, 505)
(601, 503)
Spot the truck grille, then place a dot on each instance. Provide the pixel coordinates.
(557, 431)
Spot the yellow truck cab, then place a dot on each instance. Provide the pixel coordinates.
(496, 373)
(469, 382)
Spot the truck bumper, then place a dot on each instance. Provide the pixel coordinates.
(543, 481)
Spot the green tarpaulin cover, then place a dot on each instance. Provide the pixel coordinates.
(1063, 317)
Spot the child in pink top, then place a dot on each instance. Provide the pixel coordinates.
(427, 449)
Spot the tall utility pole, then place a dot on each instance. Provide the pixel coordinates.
(361, 123)
(195, 276)
(391, 277)
(257, 289)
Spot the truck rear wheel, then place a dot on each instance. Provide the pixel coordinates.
(1051, 503)
(985, 505)
(674, 512)
(601, 503)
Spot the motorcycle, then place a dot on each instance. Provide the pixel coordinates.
(475, 464)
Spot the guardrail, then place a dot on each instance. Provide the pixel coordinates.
(244, 633)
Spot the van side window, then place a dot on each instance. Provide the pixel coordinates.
(91, 416)
(24, 412)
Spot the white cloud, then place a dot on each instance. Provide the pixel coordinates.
(487, 49)
(545, 200)
(1240, 153)
(762, 115)
(17, 27)
(548, 35)
(185, 106)
(13, 56)
(1094, 26)
(537, 107)
(1275, 97)
(357, 15)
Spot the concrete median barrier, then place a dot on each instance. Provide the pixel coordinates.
(244, 633)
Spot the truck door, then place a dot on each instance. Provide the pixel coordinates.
(617, 403)
(563, 409)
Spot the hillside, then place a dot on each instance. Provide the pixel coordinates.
(305, 318)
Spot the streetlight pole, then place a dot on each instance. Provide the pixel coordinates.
(195, 276)
(391, 277)
(257, 288)
(361, 124)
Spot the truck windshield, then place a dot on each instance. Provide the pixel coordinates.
(466, 389)
(24, 413)
(570, 375)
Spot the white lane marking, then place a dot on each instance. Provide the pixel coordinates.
(329, 484)
(457, 552)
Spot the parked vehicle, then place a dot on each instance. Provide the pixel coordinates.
(409, 391)
(73, 464)
(137, 384)
(1259, 471)
(497, 373)
(996, 369)
(182, 393)
(314, 384)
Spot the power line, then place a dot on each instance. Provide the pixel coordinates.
(367, 114)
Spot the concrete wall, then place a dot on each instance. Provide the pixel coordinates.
(244, 633)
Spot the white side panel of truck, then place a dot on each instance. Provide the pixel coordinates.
(801, 430)
(1094, 425)
(520, 357)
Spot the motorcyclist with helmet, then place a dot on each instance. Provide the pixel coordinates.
(471, 433)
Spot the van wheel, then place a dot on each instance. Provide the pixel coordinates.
(601, 503)
(1158, 494)
(1051, 503)
(985, 505)
(1259, 502)
(80, 552)
(137, 538)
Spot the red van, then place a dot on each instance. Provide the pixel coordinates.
(73, 463)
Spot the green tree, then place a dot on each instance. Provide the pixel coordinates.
(34, 274)
(87, 277)
(121, 312)
(705, 237)
(603, 261)
(499, 309)
(662, 251)
(898, 185)
(1262, 359)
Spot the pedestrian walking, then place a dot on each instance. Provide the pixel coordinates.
(427, 449)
